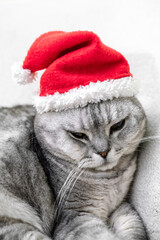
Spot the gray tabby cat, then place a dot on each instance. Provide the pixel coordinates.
(66, 175)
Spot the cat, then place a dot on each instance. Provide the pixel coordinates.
(66, 175)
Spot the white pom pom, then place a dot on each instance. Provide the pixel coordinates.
(22, 76)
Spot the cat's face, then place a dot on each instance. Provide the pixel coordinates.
(102, 132)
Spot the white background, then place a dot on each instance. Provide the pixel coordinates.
(129, 26)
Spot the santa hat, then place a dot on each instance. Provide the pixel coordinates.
(79, 69)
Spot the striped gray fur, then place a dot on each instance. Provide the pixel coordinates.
(54, 186)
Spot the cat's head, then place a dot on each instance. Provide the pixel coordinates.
(102, 133)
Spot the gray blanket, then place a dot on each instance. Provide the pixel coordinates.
(146, 189)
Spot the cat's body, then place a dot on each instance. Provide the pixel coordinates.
(37, 198)
(26, 201)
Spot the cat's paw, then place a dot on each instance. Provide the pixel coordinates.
(127, 224)
(35, 235)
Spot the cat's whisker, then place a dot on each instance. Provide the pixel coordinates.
(69, 177)
(62, 198)
(145, 139)
(65, 187)
(81, 172)
(65, 196)
(72, 178)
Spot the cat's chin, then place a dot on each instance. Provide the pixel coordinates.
(98, 163)
(107, 166)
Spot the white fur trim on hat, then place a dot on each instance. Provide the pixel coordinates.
(92, 93)
(22, 76)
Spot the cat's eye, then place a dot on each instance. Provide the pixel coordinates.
(79, 135)
(117, 126)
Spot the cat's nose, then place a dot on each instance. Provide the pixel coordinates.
(104, 154)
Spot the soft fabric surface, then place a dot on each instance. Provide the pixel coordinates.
(146, 189)
(78, 69)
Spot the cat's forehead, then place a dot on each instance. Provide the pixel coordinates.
(94, 115)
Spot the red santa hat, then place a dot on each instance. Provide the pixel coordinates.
(79, 69)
